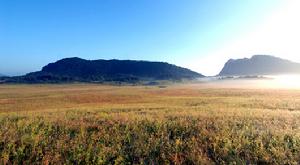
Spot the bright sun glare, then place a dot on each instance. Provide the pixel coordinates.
(286, 81)
(278, 35)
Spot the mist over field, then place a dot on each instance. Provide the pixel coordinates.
(149, 82)
(290, 81)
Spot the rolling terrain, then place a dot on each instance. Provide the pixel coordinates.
(222, 121)
(100, 71)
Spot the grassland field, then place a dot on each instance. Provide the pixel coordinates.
(178, 124)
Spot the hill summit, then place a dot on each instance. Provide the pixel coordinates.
(77, 69)
(259, 65)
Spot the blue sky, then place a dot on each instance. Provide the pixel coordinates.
(183, 32)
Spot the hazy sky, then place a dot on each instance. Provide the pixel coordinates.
(198, 34)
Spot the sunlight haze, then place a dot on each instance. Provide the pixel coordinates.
(199, 35)
(278, 34)
(150, 82)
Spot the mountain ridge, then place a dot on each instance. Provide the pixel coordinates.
(259, 65)
(75, 69)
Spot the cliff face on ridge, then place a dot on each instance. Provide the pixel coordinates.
(259, 65)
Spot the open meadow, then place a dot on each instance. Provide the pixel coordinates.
(175, 124)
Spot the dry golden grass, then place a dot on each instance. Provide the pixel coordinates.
(180, 124)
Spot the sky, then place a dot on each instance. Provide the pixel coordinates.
(197, 34)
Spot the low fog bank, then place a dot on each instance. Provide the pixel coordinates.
(266, 81)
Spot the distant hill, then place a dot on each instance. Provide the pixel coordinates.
(3, 75)
(76, 69)
(259, 65)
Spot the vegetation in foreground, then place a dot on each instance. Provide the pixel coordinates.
(90, 124)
